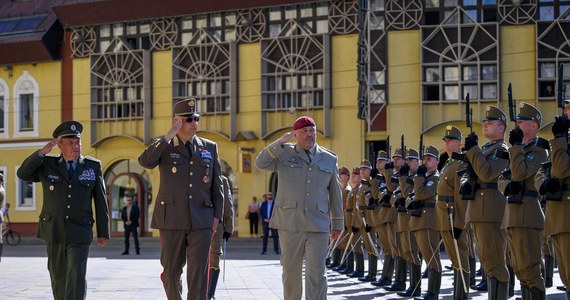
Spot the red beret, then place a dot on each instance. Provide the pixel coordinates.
(303, 121)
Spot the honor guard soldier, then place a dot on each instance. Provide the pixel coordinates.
(344, 176)
(422, 217)
(366, 205)
(352, 246)
(358, 228)
(381, 230)
(223, 233)
(524, 219)
(408, 241)
(189, 203)
(554, 183)
(486, 207)
(73, 184)
(450, 213)
(388, 216)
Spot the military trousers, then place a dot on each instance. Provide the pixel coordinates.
(343, 240)
(428, 242)
(313, 246)
(526, 255)
(67, 266)
(410, 249)
(216, 250)
(382, 232)
(368, 239)
(462, 246)
(492, 249)
(393, 240)
(561, 242)
(178, 247)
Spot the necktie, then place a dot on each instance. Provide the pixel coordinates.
(308, 154)
(189, 148)
(70, 169)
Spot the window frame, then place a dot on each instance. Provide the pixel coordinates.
(18, 91)
(5, 93)
(18, 185)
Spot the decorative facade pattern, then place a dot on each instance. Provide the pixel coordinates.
(517, 12)
(343, 17)
(163, 33)
(83, 41)
(251, 25)
(404, 14)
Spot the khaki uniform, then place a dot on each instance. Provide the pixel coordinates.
(308, 205)
(485, 212)
(226, 225)
(364, 217)
(347, 218)
(380, 230)
(524, 220)
(357, 221)
(406, 239)
(388, 213)
(557, 224)
(422, 219)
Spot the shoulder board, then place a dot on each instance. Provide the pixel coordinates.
(542, 143)
(501, 154)
(327, 150)
(92, 159)
(289, 145)
(52, 155)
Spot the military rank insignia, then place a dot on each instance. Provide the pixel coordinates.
(205, 154)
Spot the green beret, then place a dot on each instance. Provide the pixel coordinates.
(68, 129)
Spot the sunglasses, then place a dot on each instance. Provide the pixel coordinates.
(190, 119)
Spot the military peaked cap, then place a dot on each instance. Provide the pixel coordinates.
(68, 129)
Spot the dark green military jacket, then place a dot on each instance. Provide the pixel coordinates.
(67, 211)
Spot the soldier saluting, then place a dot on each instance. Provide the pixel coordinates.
(72, 183)
(524, 219)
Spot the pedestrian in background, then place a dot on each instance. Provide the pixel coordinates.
(253, 216)
(130, 215)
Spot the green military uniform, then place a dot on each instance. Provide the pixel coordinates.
(381, 230)
(411, 251)
(66, 220)
(448, 203)
(190, 196)
(342, 241)
(388, 216)
(357, 227)
(352, 245)
(422, 218)
(524, 219)
(365, 206)
(557, 224)
(485, 212)
(224, 231)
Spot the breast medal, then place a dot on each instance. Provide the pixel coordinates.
(174, 170)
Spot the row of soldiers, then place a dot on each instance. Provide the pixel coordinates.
(491, 196)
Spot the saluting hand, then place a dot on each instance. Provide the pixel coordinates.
(176, 125)
(47, 148)
(287, 137)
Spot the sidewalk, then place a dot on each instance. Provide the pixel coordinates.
(249, 275)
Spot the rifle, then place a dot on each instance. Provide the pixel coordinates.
(468, 113)
(512, 105)
(403, 148)
(421, 146)
(388, 147)
(561, 93)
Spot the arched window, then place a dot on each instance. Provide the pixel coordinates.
(26, 100)
(4, 106)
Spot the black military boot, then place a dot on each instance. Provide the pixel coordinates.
(341, 263)
(387, 271)
(472, 270)
(349, 264)
(482, 286)
(1, 247)
(415, 288)
(536, 294)
(548, 270)
(459, 292)
(400, 277)
(511, 281)
(214, 275)
(500, 290)
(525, 292)
(336, 256)
(372, 269)
(359, 271)
(434, 285)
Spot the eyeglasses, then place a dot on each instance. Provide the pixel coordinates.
(190, 119)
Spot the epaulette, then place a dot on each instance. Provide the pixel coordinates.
(91, 158)
(542, 143)
(329, 151)
(52, 155)
(501, 154)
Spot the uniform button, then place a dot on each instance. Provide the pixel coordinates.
(482, 194)
(161, 202)
(191, 173)
(191, 162)
(309, 181)
(307, 194)
(445, 177)
(190, 196)
(306, 208)
(68, 196)
(69, 186)
(67, 217)
(190, 185)
(68, 206)
(310, 169)
(292, 166)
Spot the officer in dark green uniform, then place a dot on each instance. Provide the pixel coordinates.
(72, 183)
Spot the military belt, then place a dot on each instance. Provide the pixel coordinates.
(348, 210)
(530, 193)
(429, 205)
(362, 207)
(486, 186)
(445, 198)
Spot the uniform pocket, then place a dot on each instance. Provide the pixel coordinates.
(291, 171)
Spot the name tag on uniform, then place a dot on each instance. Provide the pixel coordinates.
(174, 155)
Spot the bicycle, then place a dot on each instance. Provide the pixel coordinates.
(11, 237)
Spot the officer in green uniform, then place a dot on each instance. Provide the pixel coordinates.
(340, 244)
(422, 217)
(554, 183)
(72, 185)
(485, 212)
(524, 219)
(450, 213)
(223, 233)
(381, 230)
(189, 201)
